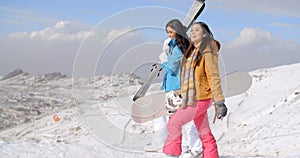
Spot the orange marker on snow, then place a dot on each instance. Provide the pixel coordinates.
(56, 118)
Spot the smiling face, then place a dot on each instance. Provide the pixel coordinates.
(196, 33)
(171, 32)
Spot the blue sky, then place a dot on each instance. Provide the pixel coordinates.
(44, 13)
(19, 16)
(253, 35)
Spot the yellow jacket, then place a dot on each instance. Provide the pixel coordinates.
(207, 79)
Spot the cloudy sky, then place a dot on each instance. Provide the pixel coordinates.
(99, 37)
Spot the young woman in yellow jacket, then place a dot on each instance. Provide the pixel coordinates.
(200, 86)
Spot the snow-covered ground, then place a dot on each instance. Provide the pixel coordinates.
(95, 120)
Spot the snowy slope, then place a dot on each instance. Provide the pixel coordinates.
(262, 122)
(265, 120)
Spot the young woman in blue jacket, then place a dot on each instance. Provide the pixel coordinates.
(177, 44)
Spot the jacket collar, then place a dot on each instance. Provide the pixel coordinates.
(172, 42)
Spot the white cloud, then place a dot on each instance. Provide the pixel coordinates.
(115, 33)
(251, 37)
(54, 48)
(67, 30)
(63, 30)
(257, 48)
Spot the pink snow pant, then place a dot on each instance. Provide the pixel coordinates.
(198, 113)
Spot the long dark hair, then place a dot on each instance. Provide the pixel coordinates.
(208, 40)
(181, 37)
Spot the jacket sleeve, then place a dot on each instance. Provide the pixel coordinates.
(173, 64)
(212, 73)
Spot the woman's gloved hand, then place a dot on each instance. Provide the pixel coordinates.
(221, 109)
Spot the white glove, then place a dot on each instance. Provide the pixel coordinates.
(166, 47)
(163, 57)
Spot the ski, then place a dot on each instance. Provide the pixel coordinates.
(193, 13)
(142, 91)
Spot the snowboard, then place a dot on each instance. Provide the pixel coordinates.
(192, 15)
(152, 106)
